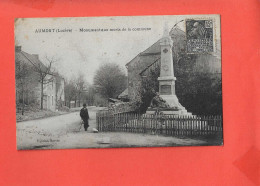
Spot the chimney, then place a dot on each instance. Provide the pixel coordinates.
(36, 56)
(18, 48)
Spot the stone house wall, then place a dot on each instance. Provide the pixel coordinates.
(52, 90)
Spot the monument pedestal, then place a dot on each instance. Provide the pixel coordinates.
(167, 93)
(173, 101)
(167, 80)
(167, 111)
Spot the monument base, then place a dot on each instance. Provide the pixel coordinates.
(175, 107)
(172, 111)
(173, 101)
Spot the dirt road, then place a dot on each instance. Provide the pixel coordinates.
(62, 132)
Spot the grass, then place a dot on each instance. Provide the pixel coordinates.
(37, 114)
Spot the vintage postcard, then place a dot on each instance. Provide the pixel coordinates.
(105, 82)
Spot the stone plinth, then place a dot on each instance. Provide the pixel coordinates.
(172, 111)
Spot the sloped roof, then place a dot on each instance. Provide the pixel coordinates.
(155, 49)
(156, 60)
(20, 57)
(34, 60)
(124, 94)
(113, 100)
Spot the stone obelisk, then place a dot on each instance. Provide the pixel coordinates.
(167, 78)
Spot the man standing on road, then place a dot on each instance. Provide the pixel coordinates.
(84, 116)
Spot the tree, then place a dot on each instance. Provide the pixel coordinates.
(110, 80)
(198, 91)
(22, 76)
(70, 91)
(89, 96)
(43, 71)
(79, 85)
(75, 89)
(149, 87)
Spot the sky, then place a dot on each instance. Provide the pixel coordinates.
(83, 52)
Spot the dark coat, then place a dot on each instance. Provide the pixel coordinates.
(84, 114)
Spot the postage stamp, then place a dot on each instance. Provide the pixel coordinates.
(199, 35)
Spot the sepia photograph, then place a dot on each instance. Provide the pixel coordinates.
(126, 81)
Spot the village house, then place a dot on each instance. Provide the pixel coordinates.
(28, 86)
